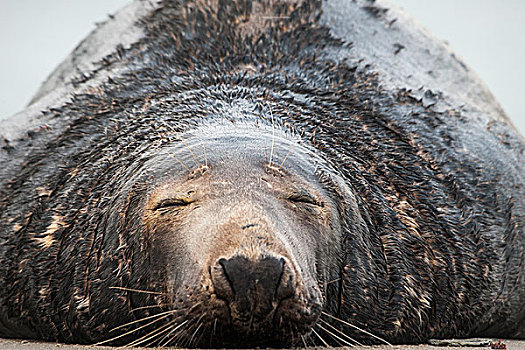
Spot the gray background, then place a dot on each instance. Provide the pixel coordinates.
(489, 35)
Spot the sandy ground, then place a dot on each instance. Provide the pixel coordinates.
(16, 344)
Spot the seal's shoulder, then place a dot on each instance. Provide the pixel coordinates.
(382, 38)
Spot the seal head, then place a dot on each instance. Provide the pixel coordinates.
(245, 234)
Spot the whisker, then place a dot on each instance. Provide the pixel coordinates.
(178, 160)
(140, 291)
(145, 318)
(193, 307)
(148, 307)
(194, 333)
(341, 332)
(304, 341)
(318, 336)
(355, 327)
(151, 334)
(169, 333)
(205, 155)
(310, 340)
(191, 152)
(185, 144)
(198, 339)
(180, 334)
(335, 336)
(333, 281)
(287, 154)
(158, 318)
(170, 340)
(273, 136)
(213, 332)
(198, 327)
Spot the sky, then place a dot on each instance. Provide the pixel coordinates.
(488, 35)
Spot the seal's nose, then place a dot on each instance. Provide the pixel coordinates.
(253, 289)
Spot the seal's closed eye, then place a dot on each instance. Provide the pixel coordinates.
(305, 197)
(173, 203)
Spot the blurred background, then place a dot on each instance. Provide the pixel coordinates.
(488, 35)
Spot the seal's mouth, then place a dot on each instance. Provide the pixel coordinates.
(258, 302)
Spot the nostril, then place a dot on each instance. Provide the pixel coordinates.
(220, 281)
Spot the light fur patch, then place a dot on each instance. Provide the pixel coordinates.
(47, 240)
(43, 192)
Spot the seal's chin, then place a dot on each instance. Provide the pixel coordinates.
(284, 327)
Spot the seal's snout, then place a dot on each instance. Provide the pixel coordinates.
(252, 288)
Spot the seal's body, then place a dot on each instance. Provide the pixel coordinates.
(262, 173)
